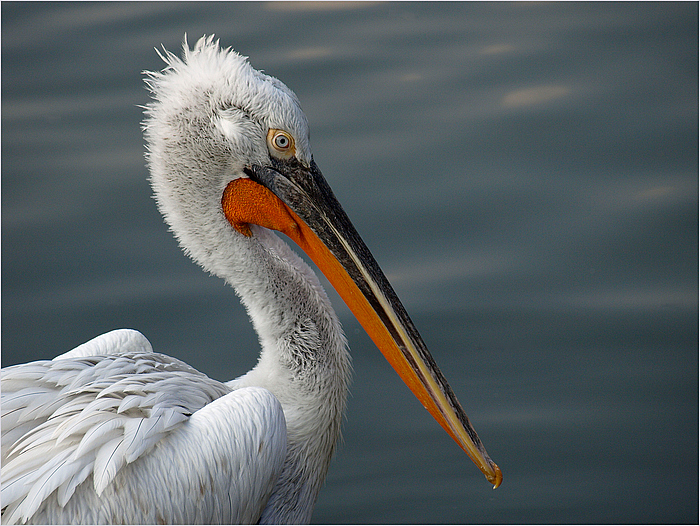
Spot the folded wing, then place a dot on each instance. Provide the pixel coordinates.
(135, 426)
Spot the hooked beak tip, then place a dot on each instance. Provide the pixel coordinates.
(497, 477)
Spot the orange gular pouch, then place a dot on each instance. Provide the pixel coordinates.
(246, 202)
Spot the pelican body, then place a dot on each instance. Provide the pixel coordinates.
(113, 432)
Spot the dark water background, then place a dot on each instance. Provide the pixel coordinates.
(526, 175)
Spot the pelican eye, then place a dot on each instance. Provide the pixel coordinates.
(280, 143)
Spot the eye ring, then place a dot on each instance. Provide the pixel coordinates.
(280, 143)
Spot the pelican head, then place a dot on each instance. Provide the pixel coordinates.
(230, 160)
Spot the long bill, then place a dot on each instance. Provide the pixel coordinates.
(297, 201)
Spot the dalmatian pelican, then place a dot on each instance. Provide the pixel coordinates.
(113, 432)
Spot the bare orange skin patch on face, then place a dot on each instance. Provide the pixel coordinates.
(246, 202)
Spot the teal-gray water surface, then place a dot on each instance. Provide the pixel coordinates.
(525, 174)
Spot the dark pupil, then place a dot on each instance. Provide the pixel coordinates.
(282, 141)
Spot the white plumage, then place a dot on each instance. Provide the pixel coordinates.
(92, 414)
(112, 432)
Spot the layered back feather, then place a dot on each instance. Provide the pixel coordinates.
(77, 417)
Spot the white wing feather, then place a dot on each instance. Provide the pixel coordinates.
(102, 415)
(117, 341)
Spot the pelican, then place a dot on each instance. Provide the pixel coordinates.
(113, 432)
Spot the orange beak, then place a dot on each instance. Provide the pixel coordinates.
(297, 201)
